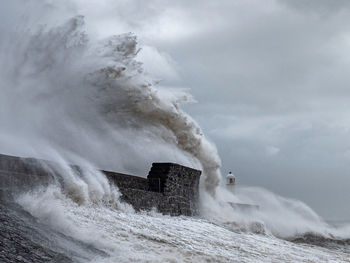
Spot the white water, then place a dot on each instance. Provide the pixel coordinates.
(72, 98)
(150, 237)
(90, 98)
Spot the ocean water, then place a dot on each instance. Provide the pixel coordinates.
(85, 221)
(70, 97)
(100, 232)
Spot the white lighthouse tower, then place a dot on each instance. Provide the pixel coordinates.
(230, 181)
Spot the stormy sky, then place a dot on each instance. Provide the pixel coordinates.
(271, 81)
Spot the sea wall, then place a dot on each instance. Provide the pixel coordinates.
(170, 188)
(21, 174)
(179, 185)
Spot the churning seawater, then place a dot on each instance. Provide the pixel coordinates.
(70, 97)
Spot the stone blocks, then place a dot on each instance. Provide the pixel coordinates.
(169, 187)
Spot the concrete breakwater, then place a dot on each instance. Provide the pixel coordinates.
(170, 188)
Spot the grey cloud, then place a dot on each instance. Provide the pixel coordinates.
(278, 78)
(267, 75)
(323, 7)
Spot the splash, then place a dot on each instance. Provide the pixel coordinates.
(72, 98)
(90, 98)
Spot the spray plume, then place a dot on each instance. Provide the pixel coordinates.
(69, 97)
(91, 98)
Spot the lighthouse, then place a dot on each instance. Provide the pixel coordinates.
(230, 181)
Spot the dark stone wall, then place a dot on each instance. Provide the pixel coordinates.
(125, 181)
(143, 200)
(180, 186)
(22, 174)
(170, 188)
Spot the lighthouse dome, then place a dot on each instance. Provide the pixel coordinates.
(230, 175)
(230, 178)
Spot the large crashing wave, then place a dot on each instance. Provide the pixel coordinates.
(71, 98)
(91, 99)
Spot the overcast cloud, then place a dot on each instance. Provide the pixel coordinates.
(271, 78)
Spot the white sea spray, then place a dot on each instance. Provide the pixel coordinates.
(69, 97)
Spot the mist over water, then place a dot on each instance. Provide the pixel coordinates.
(70, 97)
(90, 98)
